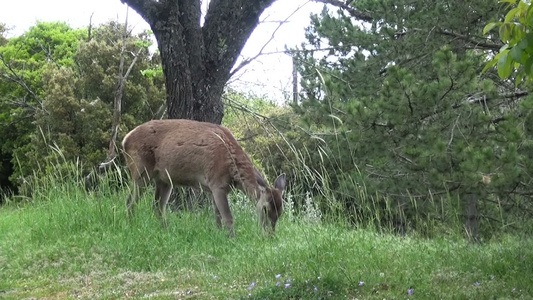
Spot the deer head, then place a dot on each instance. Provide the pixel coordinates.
(191, 153)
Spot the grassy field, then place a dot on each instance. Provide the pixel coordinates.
(69, 244)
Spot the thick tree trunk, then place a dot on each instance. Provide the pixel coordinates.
(196, 59)
(189, 95)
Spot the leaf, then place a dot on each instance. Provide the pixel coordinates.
(511, 15)
(505, 32)
(519, 78)
(508, 1)
(494, 61)
(505, 66)
(516, 54)
(527, 65)
(489, 65)
(490, 26)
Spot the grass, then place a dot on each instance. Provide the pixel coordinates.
(70, 244)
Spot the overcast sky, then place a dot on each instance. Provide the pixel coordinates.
(268, 75)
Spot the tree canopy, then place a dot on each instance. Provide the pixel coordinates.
(57, 90)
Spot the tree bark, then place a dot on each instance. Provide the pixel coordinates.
(196, 59)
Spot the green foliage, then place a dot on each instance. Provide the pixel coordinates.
(24, 61)
(58, 94)
(515, 32)
(3, 30)
(256, 123)
(406, 120)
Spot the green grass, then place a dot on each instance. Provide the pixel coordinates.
(69, 244)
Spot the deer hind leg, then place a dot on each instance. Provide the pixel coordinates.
(218, 216)
(162, 194)
(140, 180)
(220, 197)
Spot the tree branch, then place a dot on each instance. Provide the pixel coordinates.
(224, 36)
(18, 79)
(148, 9)
(469, 40)
(360, 15)
(245, 62)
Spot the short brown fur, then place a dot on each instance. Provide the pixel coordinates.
(191, 153)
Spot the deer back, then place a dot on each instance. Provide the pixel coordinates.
(186, 152)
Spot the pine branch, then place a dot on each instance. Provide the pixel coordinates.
(469, 40)
(360, 15)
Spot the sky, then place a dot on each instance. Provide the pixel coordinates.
(268, 75)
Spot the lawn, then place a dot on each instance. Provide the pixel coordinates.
(69, 244)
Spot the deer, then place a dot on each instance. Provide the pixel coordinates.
(180, 152)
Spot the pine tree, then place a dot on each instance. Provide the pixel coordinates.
(409, 117)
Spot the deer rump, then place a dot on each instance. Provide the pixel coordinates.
(192, 153)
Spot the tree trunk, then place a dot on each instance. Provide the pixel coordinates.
(472, 216)
(196, 59)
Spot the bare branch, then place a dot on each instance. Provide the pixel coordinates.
(18, 79)
(245, 62)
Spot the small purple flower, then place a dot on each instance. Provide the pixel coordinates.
(361, 283)
(251, 286)
(477, 283)
(289, 280)
(410, 292)
(278, 276)
(277, 283)
(287, 285)
(316, 289)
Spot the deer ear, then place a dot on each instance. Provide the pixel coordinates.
(281, 182)
(260, 180)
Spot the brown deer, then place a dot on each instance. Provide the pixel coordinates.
(192, 153)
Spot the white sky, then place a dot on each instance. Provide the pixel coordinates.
(269, 75)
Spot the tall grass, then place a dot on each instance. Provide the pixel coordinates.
(70, 243)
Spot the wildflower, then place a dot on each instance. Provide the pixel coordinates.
(477, 283)
(318, 278)
(287, 285)
(251, 286)
(277, 283)
(278, 276)
(361, 283)
(410, 292)
(316, 289)
(289, 280)
(215, 277)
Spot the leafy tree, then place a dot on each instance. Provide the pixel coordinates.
(65, 106)
(3, 38)
(198, 52)
(516, 33)
(23, 60)
(392, 89)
